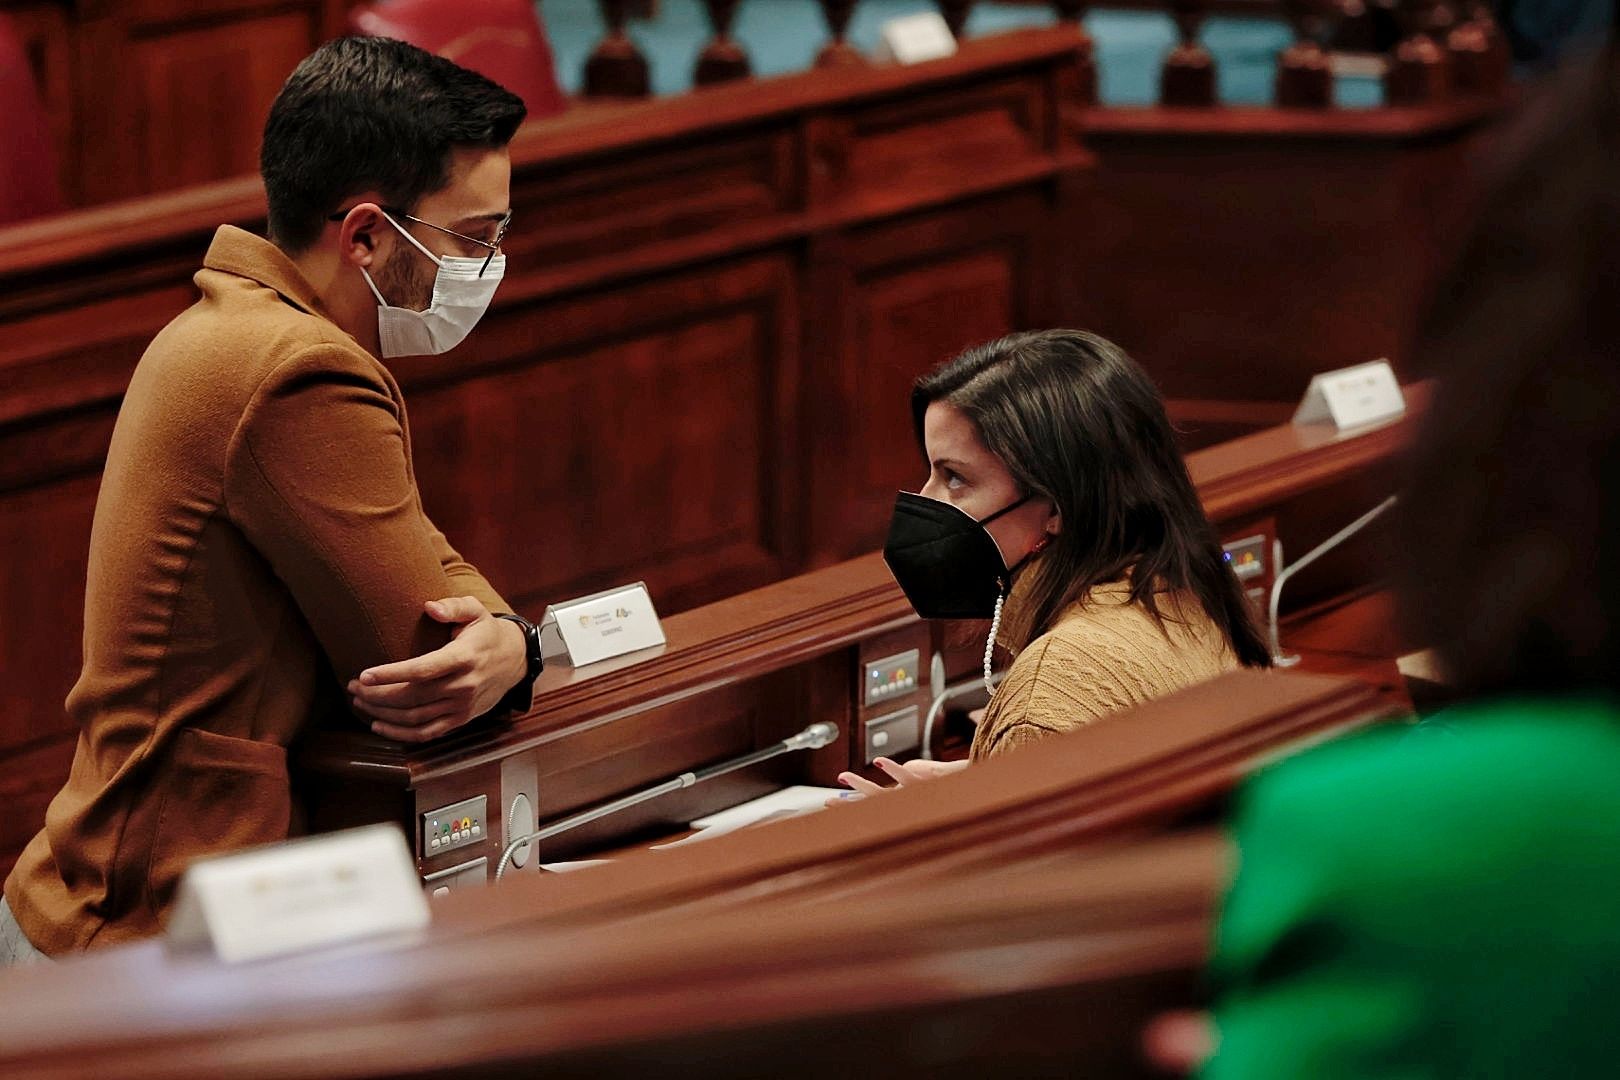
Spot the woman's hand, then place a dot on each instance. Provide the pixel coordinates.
(912, 772)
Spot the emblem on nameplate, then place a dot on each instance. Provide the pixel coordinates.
(602, 626)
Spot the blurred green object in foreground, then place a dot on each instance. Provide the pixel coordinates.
(1438, 902)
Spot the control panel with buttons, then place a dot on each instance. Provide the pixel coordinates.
(452, 827)
(1251, 551)
(891, 677)
(1247, 557)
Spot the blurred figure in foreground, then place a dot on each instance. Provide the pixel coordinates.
(1441, 904)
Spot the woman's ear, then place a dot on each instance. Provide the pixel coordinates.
(1054, 523)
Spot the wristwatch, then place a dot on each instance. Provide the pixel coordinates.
(521, 696)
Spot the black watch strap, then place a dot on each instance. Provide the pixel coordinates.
(518, 699)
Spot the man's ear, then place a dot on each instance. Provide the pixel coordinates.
(359, 233)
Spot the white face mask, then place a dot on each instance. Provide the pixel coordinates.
(460, 298)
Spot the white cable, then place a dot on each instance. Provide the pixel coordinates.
(950, 693)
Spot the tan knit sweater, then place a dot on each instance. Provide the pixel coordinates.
(1103, 654)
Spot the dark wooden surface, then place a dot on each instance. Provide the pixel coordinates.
(773, 990)
(1140, 770)
(981, 903)
(735, 675)
(129, 84)
(696, 374)
(1315, 237)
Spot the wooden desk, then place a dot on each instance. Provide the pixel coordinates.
(938, 981)
(745, 672)
(947, 930)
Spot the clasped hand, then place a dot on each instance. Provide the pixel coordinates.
(426, 696)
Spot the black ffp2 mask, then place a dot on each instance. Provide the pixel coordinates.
(946, 562)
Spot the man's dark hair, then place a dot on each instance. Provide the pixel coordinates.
(372, 114)
(1077, 421)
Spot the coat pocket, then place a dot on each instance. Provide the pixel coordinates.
(220, 794)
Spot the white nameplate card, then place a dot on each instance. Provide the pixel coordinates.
(912, 39)
(1352, 397)
(601, 627)
(303, 894)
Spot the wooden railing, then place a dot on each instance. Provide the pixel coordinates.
(1447, 48)
(118, 78)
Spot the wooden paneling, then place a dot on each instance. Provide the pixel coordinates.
(40, 644)
(671, 191)
(33, 773)
(219, 78)
(129, 84)
(39, 647)
(1311, 246)
(571, 396)
(47, 40)
(1000, 126)
(905, 296)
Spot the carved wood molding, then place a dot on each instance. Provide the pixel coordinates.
(1254, 121)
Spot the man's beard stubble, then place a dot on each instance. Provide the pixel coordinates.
(406, 279)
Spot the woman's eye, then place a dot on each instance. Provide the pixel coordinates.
(953, 482)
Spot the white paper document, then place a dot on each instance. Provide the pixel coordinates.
(789, 802)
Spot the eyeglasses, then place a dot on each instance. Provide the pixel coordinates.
(492, 246)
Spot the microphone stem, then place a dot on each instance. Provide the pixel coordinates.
(811, 738)
(1278, 657)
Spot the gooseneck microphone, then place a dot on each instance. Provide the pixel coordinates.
(1278, 657)
(813, 737)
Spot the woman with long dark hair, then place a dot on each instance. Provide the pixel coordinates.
(1058, 505)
